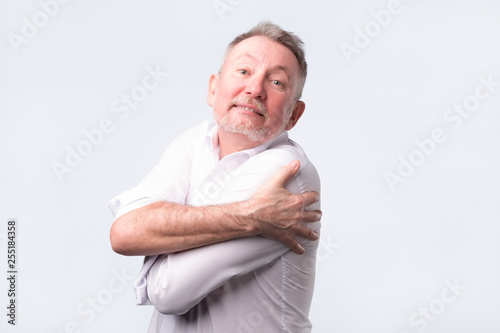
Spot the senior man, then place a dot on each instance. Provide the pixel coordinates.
(229, 218)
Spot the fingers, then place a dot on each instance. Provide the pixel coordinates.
(299, 249)
(288, 240)
(286, 173)
(308, 233)
(312, 215)
(295, 246)
(310, 198)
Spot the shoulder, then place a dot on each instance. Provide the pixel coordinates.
(191, 137)
(286, 151)
(282, 153)
(197, 132)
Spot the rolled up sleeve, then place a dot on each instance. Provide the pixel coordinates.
(168, 181)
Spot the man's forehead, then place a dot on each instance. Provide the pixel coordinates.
(255, 57)
(256, 47)
(259, 42)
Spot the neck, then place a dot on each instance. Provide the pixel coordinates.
(233, 142)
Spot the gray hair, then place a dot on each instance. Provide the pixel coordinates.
(285, 38)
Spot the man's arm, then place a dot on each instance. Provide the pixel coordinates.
(273, 212)
(174, 283)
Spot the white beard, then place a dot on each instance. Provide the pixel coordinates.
(257, 134)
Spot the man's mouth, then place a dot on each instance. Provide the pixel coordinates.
(248, 109)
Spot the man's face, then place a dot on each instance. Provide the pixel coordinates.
(255, 92)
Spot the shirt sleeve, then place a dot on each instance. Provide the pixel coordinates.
(168, 181)
(176, 282)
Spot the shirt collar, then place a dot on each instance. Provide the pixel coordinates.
(212, 137)
(213, 141)
(280, 138)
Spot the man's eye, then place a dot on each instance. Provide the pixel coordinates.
(243, 71)
(278, 83)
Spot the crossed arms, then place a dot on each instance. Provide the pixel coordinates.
(272, 212)
(223, 236)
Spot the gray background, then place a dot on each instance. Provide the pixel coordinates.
(385, 255)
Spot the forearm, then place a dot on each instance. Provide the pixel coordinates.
(164, 227)
(178, 281)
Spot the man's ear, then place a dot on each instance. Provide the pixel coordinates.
(297, 112)
(212, 89)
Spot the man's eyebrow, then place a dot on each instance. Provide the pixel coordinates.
(282, 68)
(273, 69)
(246, 54)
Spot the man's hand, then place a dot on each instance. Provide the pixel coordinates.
(278, 214)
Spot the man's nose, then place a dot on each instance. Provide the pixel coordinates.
(255, 87)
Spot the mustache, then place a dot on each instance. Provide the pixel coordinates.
(252, 101)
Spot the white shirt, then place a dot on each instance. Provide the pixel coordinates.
(251, 284)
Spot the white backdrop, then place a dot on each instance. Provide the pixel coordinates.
(402, 122)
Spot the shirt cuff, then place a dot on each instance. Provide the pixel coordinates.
(128, 201)
(141, 282)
